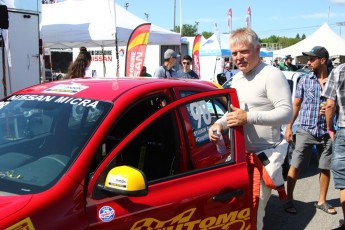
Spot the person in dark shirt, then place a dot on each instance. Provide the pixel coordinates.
(186, 71)
(287, 64)
(143, 72)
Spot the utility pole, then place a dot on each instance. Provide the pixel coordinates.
(147, 16)
(174, 14)
(340, 24)
(197, 26)
(126, 5)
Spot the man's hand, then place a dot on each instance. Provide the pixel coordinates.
(237, 117)
(214, 138)
(288, 134)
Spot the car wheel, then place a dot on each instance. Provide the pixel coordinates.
(287, 161)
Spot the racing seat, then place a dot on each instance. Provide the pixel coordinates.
(154, 151)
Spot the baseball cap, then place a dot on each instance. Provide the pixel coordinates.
(317, 51)
(288, 57)
(169, 53)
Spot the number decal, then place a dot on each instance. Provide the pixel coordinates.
(200, 112)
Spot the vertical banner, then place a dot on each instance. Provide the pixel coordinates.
(136, 49)
(230, 20)
(195, 55)
(249, 18)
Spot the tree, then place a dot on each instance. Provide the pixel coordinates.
(187, 30)
(206, 34)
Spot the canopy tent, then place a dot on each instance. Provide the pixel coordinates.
(89, 23)
(215, 46)
(219, 46)
(324, 36)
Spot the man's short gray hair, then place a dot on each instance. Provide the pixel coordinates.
(244, 36)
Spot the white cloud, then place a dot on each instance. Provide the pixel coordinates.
(339, 1)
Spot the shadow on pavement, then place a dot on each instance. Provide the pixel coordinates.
(307, 215)
(277, 218)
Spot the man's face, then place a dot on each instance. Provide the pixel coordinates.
(245, 56)
(186, 64)
(315, 63)
(288, 61)
(172, 61)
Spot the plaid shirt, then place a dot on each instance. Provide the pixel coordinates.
(335, 90)
(310, 119)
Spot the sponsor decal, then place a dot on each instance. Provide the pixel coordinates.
(56, 99)
(25, 224)
(106, 214)
(117, 181)
(200, 119)
(66, 89)
(238, 219)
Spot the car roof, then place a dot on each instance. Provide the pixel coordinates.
(110, 88)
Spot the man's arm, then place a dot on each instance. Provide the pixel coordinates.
(330, 111)
(296, 106)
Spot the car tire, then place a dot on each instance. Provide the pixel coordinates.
(287, 161)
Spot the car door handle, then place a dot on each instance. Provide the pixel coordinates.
(228, 195)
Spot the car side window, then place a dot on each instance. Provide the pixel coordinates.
(129, 120)
(202, 114)
(155, 151)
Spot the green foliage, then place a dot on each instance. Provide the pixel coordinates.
(206, 34)
(284, 41)
(187, 30)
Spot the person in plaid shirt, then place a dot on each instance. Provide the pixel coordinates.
(308, 106)
(334, 91)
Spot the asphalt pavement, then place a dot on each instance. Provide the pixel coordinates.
(306, 194)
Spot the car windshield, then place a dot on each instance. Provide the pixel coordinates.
(40, 136)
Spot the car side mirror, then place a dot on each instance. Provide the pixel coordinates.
(125, 180)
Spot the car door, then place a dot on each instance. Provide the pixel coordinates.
(179, 195)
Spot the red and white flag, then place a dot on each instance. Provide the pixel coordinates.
(249, 18)
(195, 54)
(136, 49)
(230, 20)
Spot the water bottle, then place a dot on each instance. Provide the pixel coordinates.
(221, 148)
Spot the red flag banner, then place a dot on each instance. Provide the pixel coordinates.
(249, 18)
(195, 54)
(230, 20)
(136, 49)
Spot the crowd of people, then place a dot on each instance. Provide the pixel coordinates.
(265, 105)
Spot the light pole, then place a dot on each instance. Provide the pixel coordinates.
(197, 26)
(340, 24)
(147, 16)
(174, 14)
(126, 5)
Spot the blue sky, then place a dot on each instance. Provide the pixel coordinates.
(281, 18)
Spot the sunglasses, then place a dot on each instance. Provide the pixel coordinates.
(186, 63)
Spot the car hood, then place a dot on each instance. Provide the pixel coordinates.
(11, 204)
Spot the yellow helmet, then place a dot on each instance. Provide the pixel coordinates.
(126, 180)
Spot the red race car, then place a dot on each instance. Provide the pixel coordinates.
(120, 154)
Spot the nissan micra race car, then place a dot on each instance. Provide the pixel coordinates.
(120, 153)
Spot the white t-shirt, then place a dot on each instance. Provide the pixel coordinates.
(265, 94)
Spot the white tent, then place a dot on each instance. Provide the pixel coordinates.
(219, 46)
(91, 23)
(324, 36)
